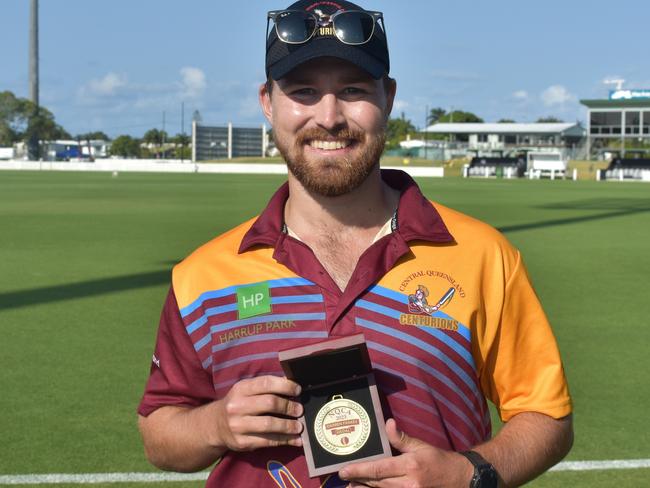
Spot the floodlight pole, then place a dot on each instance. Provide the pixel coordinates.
(33, 52)
(33, 142)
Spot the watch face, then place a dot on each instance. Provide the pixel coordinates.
(484, 477)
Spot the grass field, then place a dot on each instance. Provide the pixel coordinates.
(84, 267)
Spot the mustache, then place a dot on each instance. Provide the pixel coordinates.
(315, 133)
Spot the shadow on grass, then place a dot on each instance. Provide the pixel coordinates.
(47, 294)
(619, 207)
(16, 299)
(601, 204)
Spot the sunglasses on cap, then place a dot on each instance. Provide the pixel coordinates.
(352, 27)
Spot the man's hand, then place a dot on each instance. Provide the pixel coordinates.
(526, 446)
(258, 412)
(418, 465)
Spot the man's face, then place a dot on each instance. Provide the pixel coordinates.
(329, 121)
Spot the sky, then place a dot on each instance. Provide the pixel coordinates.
(118, 66)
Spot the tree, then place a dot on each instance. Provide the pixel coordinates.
(181, 139)
(549, 119)
(435, 114)
(182, 149)
(12, 120)
(505, 121)
(93, 136)
(21, 120)
(458, 116)
(126, 147)
(397, 130)
(43, 126)
(155, 137)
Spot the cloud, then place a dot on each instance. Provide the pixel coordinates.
(520, 95)
(400, 105)
(115, 93)
(106, 86)
(556, 95)
(193, 82)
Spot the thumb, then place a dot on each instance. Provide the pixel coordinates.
(399, 440)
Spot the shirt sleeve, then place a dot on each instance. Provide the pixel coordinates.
(522, 369)
(176, 376)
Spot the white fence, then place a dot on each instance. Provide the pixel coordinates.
(175, 166)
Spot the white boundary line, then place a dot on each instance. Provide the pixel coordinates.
(90, 478)
(602, 465)
(156, 166)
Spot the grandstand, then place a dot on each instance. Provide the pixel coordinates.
(227, 142)
(498, 140)
(619, 126)
(627, 169)
(495, 166)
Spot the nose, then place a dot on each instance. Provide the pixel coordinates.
(329, 112)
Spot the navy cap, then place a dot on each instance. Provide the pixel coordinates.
(282, 57)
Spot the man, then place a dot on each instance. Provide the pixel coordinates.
(338, 251)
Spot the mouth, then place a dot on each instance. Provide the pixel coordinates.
(330, 145)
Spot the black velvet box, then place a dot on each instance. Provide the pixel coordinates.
(343, 421)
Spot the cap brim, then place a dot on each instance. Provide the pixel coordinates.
(326, 47)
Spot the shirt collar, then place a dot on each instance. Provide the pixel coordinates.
(417, 219)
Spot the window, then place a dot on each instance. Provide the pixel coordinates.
(606, 122)
(632, 122)
(646, 122)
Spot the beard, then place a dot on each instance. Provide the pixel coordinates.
(330, 176)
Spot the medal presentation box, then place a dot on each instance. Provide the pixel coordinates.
(343, 421)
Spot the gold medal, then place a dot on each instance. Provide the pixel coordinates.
(342, 426)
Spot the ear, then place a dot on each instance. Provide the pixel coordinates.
(391, 90)
(265, 102)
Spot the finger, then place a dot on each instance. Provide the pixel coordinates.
(373, 470)
(399, 439)
(268, 384)
(265, 404)
(252, 442)
(266, 424)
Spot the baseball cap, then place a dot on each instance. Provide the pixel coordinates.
(282, 57)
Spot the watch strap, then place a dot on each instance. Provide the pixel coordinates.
(485, 476)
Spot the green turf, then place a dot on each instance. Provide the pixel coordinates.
(85, 260)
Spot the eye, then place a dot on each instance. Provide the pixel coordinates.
(354, 90)
(303, 92)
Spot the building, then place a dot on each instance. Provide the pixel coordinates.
(511, 139)
(66, 150)
(620, 125)
(227, 142)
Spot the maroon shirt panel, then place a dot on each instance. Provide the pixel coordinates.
(178, 378)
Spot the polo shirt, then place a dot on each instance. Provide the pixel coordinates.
(447, 309)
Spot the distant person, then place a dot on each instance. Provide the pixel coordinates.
(339, 250)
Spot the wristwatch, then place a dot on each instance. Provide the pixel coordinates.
(485, 476)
